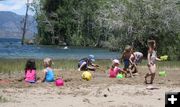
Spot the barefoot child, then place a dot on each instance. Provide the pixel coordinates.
(152, 57)
(48, 71)
(136, 57)
(126, 58)
(30, 71)
(114, 70)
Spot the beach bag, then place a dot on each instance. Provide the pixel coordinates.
(59, 82)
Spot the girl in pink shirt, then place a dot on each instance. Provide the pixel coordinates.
(114, 70)
(30, 71)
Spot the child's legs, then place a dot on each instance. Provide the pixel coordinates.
(153, 70)
(84, 68)
(134, 69)
(152, 77)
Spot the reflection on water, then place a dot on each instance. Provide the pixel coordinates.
(12, 48)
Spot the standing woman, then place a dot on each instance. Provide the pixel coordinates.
(152, 57)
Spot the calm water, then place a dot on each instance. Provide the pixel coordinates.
(12, 48)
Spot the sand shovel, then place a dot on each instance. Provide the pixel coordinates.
(101, 69)
(151, 87)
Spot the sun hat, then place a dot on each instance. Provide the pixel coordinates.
(116, 61)
(91, 57)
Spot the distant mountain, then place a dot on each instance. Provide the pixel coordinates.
(11, 25)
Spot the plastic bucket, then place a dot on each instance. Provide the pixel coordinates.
(59, 82)
(119, 76)
(162, 73)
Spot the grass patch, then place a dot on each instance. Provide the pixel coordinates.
(163, 63)
(18, 65)
(3, 99)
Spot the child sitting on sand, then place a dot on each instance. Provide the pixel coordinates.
(152, 57)
(48, 71)
(30, 71)
(86, 64)
(114, 70)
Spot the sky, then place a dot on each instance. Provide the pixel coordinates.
(16, 6)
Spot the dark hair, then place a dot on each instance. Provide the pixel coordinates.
(30, 64)
(151, 43)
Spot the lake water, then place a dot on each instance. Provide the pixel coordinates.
(12, 48)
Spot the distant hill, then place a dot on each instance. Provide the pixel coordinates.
(12, 23)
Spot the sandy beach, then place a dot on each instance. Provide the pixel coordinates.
(101, 91)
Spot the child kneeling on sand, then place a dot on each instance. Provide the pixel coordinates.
(114, 70)
(87, 64)
(48, 71)
(30, 71)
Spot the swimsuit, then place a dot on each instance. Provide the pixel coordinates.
(114, 71)
(49, 75)
(153, 57)
(30, 76)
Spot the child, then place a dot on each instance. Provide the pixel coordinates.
(136, 57)
(30, 71)
(86, 64)
(126, 58)
(48, 71)
(114, 70)
(152, 57)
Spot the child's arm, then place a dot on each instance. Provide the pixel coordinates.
(122, 57)
(148, 58)
(44, 75)
(121, 70)
(25, 74)
(158, 59)
(95, 65)
(130, 59)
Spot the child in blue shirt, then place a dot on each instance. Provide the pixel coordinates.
(48, 71)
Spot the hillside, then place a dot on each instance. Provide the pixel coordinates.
(11, 25)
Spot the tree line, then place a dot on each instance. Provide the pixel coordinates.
(111, 24)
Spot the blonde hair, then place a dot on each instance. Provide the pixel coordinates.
(47, 62)
(128, 48)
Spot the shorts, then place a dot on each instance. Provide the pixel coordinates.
(30, 81)
(83, 68)
(126, 63)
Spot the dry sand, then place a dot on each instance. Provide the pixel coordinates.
(101, 91)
